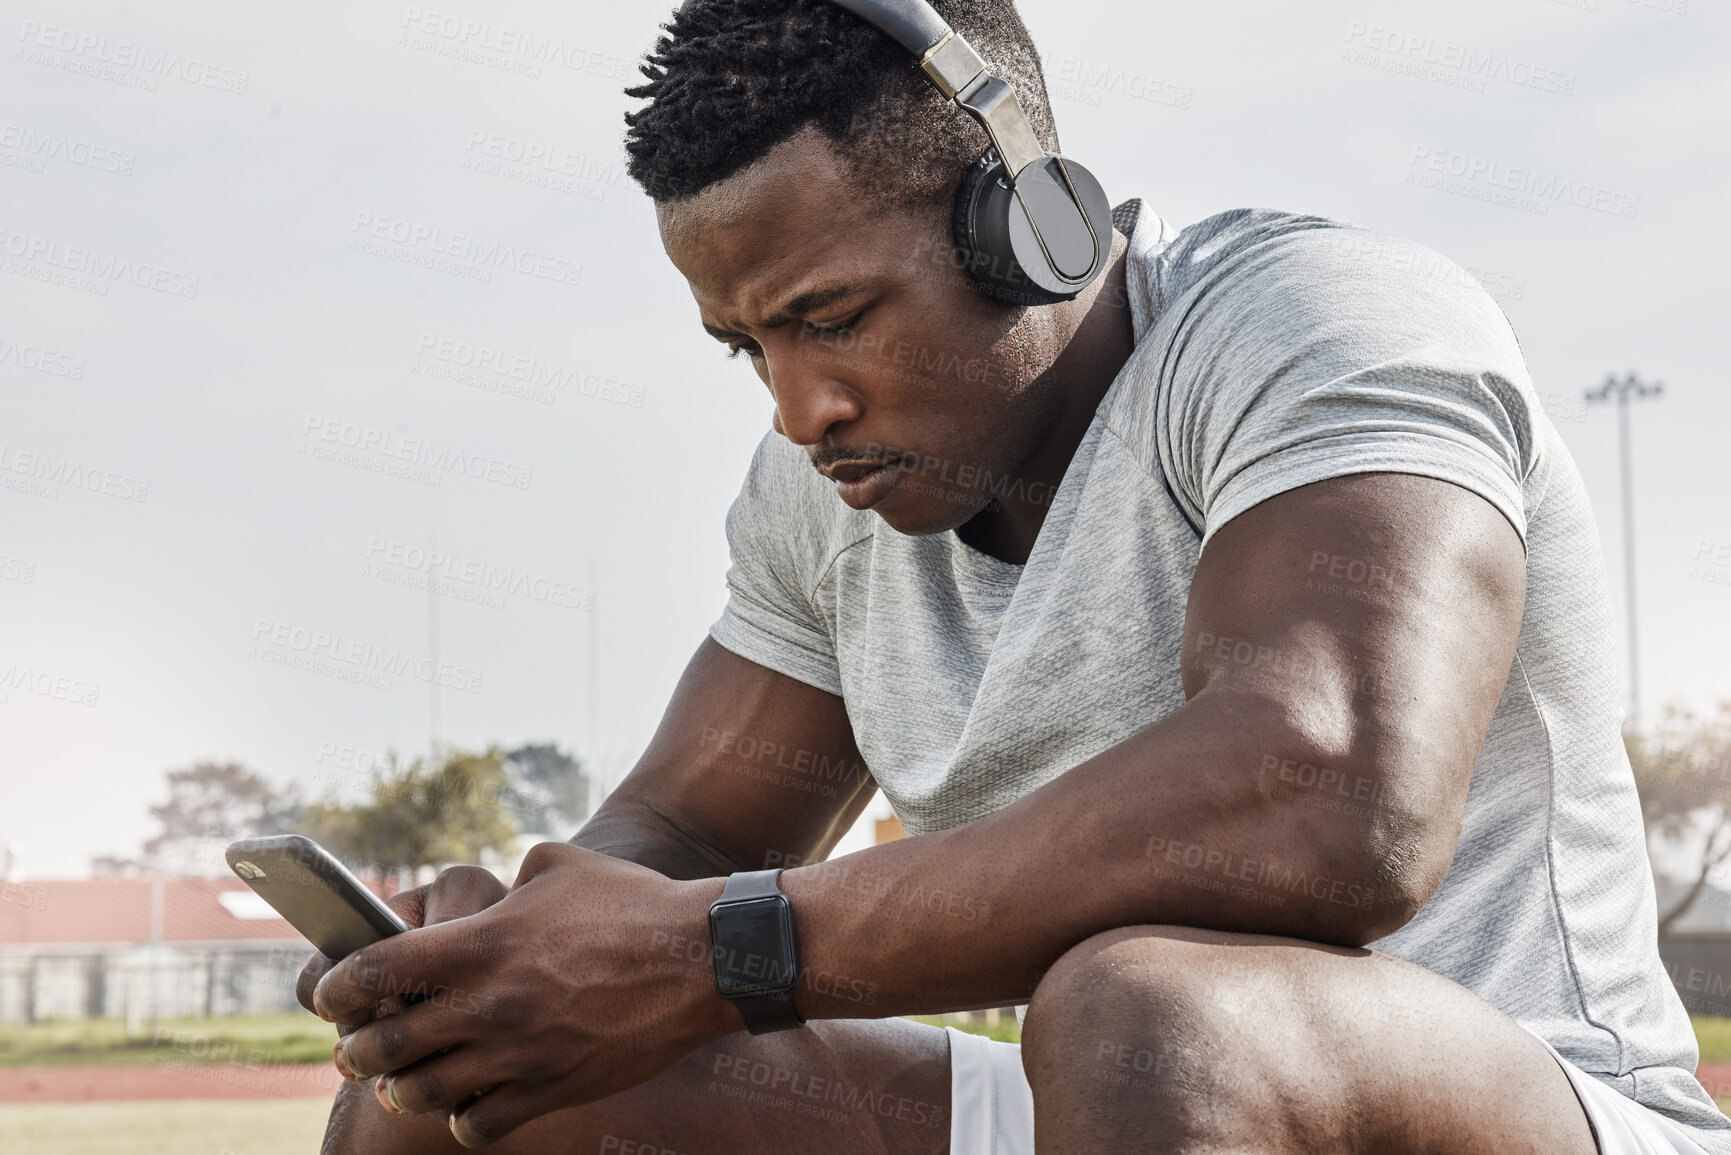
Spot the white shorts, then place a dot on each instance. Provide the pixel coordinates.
(992, 1108)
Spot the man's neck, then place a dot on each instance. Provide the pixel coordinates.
(1102, 342)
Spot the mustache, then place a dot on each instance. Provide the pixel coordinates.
(828, 456)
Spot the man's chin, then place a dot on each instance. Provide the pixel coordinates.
(918, 515)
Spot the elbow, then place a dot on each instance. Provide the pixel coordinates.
(1385, 907)
(1399, 864)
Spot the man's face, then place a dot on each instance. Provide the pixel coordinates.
(909, 388)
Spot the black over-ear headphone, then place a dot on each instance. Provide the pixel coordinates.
(1034, 227)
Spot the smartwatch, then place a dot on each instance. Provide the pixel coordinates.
(751, 946)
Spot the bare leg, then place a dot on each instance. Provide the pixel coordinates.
(1171, 1039)
(866, 1087)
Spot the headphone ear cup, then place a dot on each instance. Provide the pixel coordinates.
(981, 197)
(1029, 245)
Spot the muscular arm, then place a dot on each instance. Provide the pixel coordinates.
(1303, 688)
(585, 989)
(693, 807)
(727, 784)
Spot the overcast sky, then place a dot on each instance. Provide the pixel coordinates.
(237, 237)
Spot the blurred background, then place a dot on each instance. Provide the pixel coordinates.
(361, 456)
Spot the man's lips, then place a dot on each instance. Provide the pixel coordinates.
(851, 471)
(862, 484)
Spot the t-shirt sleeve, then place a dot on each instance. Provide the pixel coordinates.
(777, 538)
(1330, 351)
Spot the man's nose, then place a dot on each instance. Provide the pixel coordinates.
(809, 400)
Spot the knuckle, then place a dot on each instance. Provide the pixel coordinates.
(308, 980)
(541, 856)
(475, 1128)
(462, 876)
(390, 1042)
(409, 903)
(421, 1091)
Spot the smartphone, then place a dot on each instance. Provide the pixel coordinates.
(318, 896)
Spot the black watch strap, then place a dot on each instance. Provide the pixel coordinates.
(766, 1012)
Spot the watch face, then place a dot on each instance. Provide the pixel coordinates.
(753, 946)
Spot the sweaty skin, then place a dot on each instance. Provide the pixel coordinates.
(930, 367)
(574, 1000)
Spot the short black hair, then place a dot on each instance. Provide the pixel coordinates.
(730, 79)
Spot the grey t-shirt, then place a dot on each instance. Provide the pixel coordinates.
(1272, 351)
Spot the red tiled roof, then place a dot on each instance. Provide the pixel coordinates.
(118, 910)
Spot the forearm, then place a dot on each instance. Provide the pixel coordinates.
(631, 829)
(1176, 825)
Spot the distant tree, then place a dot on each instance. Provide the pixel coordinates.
(421, 815)
(208, 801)
(1683, 774)
(552, 786)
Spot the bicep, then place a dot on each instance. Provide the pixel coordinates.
(1379, 614)
(759, 767)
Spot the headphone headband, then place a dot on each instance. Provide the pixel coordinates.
(1034, 228)
(958, 72)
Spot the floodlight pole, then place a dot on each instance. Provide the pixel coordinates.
(1622, 391)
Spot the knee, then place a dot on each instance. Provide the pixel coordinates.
(1106, 1003)
(1149, 1012)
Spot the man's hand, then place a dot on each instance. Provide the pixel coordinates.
(456, 893)
(589, 977)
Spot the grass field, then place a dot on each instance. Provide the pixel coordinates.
(1713, 1036)
(289, 1038)
(186, 1127)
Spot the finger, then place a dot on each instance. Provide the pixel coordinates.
(399, 1040)
(438, 1083)
(461, 891)
(398, 965)
(384, 1008)
(496, 1113)
(309, 978)
(410, 905)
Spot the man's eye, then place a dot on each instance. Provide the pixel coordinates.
(750, 348)
(835, 330)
